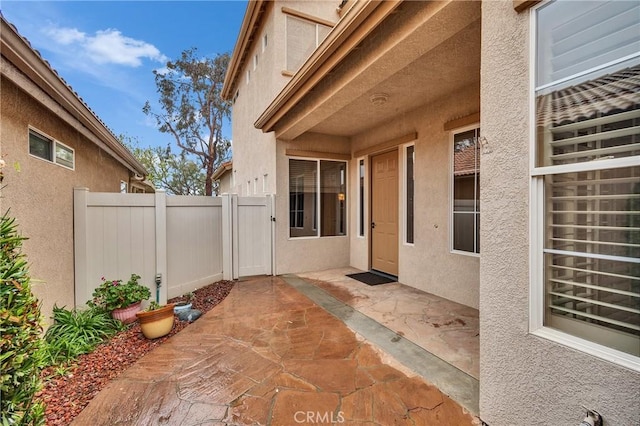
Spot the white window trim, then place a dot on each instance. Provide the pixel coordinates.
(318, 210)
(54, 143)
(403, 203)
(361, 192)
(536, 231)
(452, 134)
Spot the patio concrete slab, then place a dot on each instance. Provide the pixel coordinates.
(446, 329)
(268, 355)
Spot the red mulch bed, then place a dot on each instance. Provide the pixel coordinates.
(67, 395)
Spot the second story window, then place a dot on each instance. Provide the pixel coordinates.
(303, 36)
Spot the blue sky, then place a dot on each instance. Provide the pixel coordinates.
(107, 50)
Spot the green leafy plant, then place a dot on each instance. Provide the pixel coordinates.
(115, 294)
(21, 346)
(153, 306)
(76, 332)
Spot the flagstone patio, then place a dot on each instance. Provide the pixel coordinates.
(269, 355)
(447, 329)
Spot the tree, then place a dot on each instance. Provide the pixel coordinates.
(175, 173)
(193, 109)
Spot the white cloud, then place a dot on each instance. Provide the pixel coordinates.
(66, 36)
(106, 46)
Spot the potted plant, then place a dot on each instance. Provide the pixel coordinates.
(184, 303)
(122, 300)
(156, 321)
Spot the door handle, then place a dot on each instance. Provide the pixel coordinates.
(373, 225)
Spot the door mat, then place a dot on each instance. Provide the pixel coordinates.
(371, 278)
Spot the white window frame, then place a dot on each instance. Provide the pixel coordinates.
(316, 225)
(54, 143)
(536, 226)
(452, 134)
(403, 209)
(124, 187)
(361, 210)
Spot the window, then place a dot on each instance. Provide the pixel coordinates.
(40, 146)
(303, 37)
(466, 191)
(255, 61)
(255, 186)
(265, 187)
(296, 203)
(409, 154)
(123, 187)
(248, 76)
(586, 175)
(51, 150)
(264, 42)
(314, 200)
(361, 203)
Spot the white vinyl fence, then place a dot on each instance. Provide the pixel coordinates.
(184, 242)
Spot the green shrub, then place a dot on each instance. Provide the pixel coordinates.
(21, 347)
(114, 294)
(76, 332)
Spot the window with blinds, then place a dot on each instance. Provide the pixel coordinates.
(314, 201)
(588, 163)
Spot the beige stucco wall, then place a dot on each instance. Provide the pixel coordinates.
(225, 183)
(523, 378)
(40, 193)
(428, 264)
(307, 253)
(253, 151)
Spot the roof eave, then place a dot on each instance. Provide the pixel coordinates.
(18, 51)
(220, 171)
(250, 21)
(355, 25)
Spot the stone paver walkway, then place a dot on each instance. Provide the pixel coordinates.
(267, 355)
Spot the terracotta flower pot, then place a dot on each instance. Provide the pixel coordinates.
(156, 323)
(126, 315)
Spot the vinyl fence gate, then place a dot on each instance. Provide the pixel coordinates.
(184, 241)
